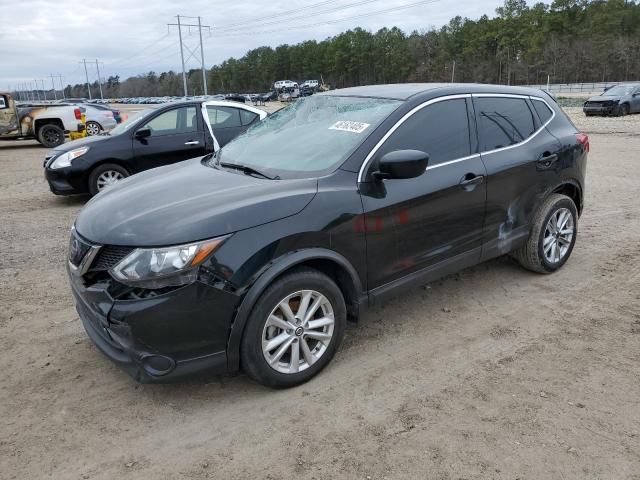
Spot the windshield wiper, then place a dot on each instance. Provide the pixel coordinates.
(247, 170)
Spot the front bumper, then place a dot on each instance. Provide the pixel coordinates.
(162, 339)
(63, 182)
(600, 109)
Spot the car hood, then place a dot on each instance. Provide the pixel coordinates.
(81, 142)
(187, 202)
(604, 98)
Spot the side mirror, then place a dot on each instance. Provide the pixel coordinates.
(401, 164)
(143, 132)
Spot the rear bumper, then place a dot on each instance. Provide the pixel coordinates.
(109, 124)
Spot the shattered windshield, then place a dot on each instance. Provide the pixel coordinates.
(309, 137)
(620, 90)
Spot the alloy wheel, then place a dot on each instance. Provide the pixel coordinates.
(298, 331)
(51, 136)
(108, 178)
(558, 235)
(93, 128)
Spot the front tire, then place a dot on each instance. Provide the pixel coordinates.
(104, 176)
(93, 128)
(50, 135)
(623, 110)
(553, 235)
(294, 330)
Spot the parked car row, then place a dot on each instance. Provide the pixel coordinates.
(255, 256)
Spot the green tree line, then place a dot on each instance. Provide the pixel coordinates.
(567, 41)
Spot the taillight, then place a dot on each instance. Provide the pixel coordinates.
(583, 138)
(77, 113)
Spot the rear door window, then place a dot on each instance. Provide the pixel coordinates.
(440, 129)
(503, 121)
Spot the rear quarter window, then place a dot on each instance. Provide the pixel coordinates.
(247, 117)
(544, 112)
(503, 121)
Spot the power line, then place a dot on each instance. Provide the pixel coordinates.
(331, 22)
(133, 61)
(137, 53)
(305, 13)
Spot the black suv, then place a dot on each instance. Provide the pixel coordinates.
(257, 256)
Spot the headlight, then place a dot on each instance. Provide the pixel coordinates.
(64, 160)
(164, 267)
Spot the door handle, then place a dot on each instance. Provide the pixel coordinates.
(470, 180)
(192, 142)
(547, 160)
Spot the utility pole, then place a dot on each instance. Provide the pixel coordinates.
(184, 75)
(99, 79)
(36, 89)
(183, 46)
(53, 85)
(62, 87)
(44, 92)
(86, 74)
(204, 74)
(453, 71)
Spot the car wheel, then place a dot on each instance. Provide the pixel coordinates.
(105, 176)
(294, 330)
(553, 235)
(50, 135)
(623, 110)
(93, 128)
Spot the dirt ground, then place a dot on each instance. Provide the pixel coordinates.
(492, 373)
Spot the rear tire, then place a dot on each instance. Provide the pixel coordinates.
(288, 339)
(93, 128)
(104, 176)
(553, 235)
(50, 135)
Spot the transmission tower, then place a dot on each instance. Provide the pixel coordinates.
(192, 53)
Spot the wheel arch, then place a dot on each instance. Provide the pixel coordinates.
(38, 123)
(572, 189)
(104, 161)
(326, 261)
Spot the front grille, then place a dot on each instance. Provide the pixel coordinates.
(109, 257)
(599, 103)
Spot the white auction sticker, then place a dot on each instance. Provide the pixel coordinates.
(347, 126)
